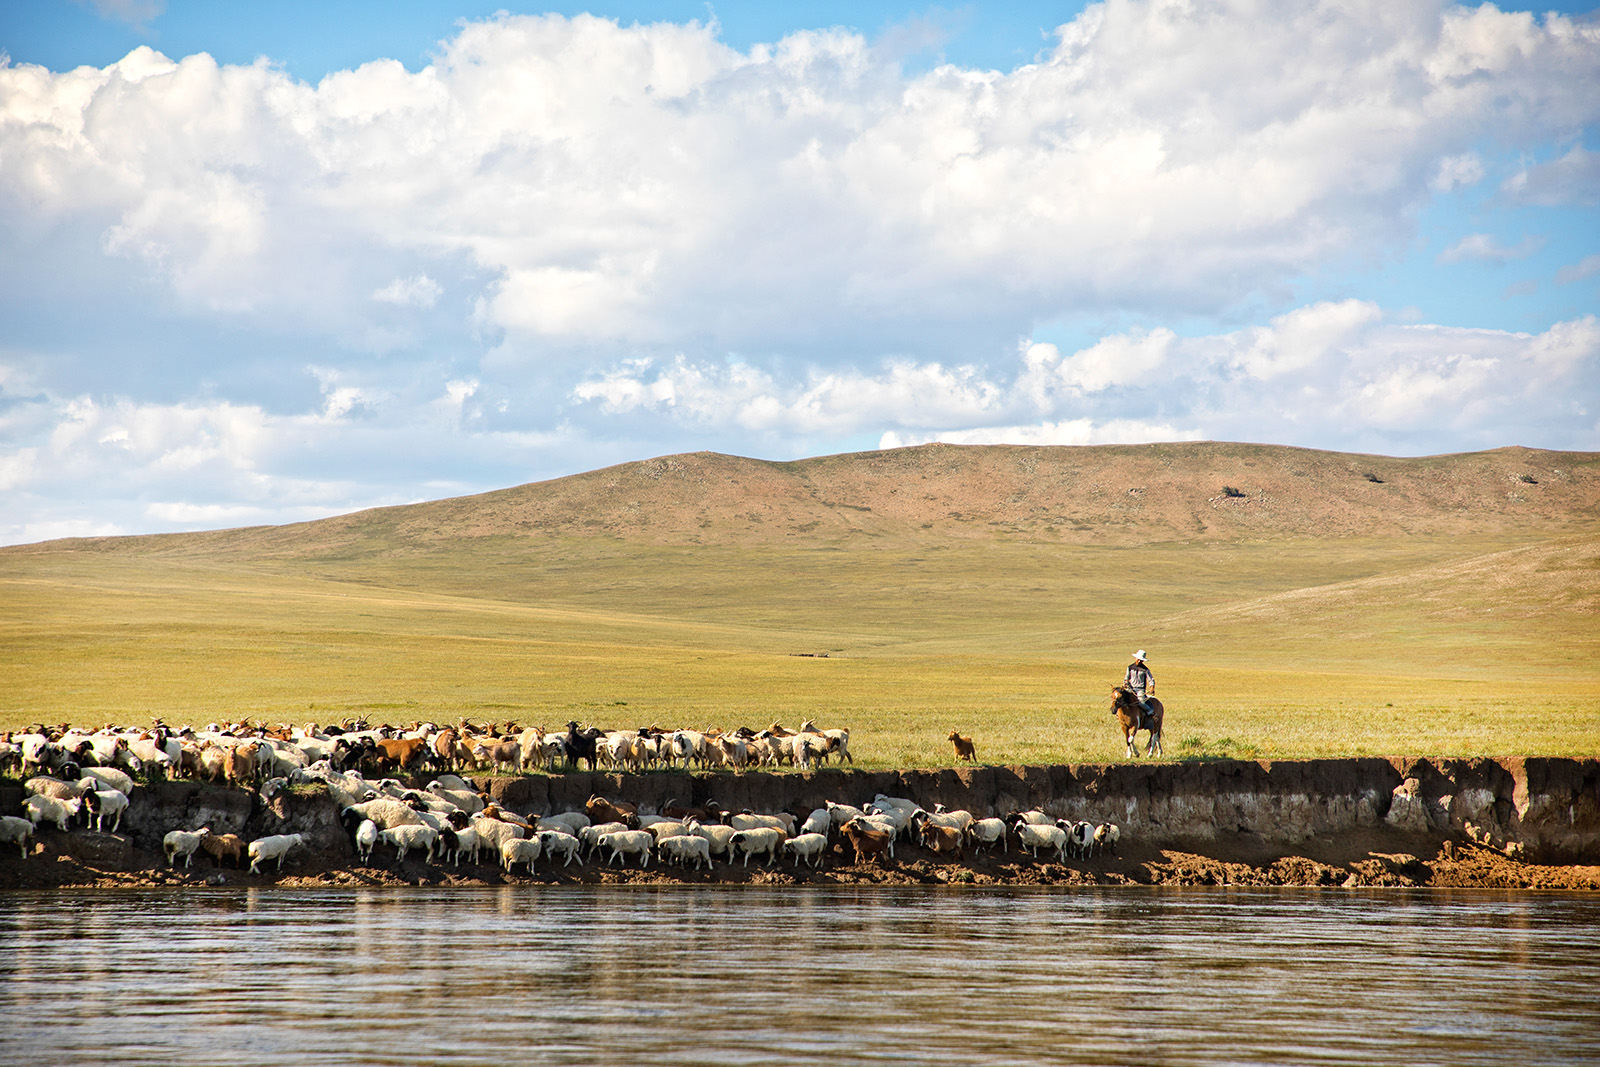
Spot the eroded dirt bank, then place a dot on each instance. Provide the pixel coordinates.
(1521, 823)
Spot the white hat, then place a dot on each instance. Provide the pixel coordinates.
(1139, 654)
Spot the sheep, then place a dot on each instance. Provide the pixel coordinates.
(518, 851)
(274, 847)
(108, 778)
(106, 804)
(685, 848)
(624, 842)
(39, 808)
(1034, 837)
(956, 820)
(818, 822)
(841, 813)
(492, 833)
(782, 822)
(809, 846)
(406, 838)
(1080, 836)
(661, 831)
(760, 839)
(965, 749)
(46, 786)
(553, 842)
(590, 835)
(219, 845)
(366, 838)
(983, 832)
(1106, 836)
(468, 841)
(13, 829)
(568, 822)
(386, 813)
(881, 824)
(717, 838)
(183, 843)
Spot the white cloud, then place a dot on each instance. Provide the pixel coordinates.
(419, 291)
(1483, 247)
(647, 185)
(1072, 432)
(1572, 179)
(1457, 172)
(1324, 373)
(1587, 267)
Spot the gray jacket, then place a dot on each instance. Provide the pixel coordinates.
(1139, 677)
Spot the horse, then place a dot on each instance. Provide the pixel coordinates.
(1125, 706)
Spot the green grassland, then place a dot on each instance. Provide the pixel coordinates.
(1290, 647)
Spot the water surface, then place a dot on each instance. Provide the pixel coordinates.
(735, 975)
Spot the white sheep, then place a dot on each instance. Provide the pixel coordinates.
(183, 843)
(754, 842)
(45, 786)
(568, 822)
(270, 848)
(628, 842)
(406, 838)
(1034, 837)
(468, 842)
(1080, 837)
(107, 804)
(810, 847)
(366, 838)
(684, 848)
(717, 836)
(519, 850)
(1106, 836)
(387, 813)
(41, 808)
(818, 822)
(590, 836)
(987, 832)
(783, 822)
(13, 829)
(108, 778)
(493, 833)
(840, 814)
(554, 842)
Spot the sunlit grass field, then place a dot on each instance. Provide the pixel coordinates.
(1261, 650)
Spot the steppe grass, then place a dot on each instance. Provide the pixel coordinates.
(1267, 650)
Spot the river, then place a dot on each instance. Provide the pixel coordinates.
(678, 975)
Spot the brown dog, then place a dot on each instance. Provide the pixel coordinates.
(965, 749)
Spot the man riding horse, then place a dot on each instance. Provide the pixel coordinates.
(1141, 682)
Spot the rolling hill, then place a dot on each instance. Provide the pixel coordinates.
(953, 584)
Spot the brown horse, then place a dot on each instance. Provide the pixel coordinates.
(1125, 706)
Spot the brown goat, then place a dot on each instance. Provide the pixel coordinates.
(865, 841)
(965, 749)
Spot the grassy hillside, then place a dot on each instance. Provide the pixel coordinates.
(1446, 605)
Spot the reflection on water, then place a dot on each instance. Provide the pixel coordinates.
(676, 974)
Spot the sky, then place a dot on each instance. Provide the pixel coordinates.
(263, 263)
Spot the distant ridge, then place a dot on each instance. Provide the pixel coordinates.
(1106, 494)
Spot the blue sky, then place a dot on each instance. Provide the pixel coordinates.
(270, 262)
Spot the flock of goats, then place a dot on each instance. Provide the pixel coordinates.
(74, 775)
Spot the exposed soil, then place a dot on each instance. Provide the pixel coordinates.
(1347, 864)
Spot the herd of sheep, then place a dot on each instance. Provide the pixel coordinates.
(75, 776)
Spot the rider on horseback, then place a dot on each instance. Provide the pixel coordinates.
(1141, 681)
